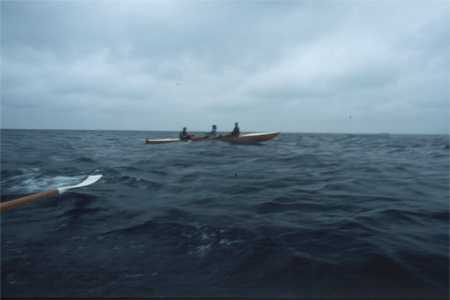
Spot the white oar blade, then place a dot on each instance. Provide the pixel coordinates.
(88, 181)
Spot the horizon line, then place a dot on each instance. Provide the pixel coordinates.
(288, 132)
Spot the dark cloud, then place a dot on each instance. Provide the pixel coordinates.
(272, 65)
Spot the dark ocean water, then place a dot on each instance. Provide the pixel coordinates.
(302, 215)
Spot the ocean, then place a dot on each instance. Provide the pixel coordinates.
(304, 215)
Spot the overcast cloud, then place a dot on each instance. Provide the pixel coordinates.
(304, 66)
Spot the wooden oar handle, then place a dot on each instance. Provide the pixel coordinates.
(4, 206)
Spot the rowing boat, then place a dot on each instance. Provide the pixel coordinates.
(193, 138)
(162, 141)
(245, 138)
(250, 138)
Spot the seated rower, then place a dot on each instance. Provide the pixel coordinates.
(184, 135)
(236, 130)
(213, 132)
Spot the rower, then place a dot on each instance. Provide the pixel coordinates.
(236, 130)
(213, 131)
(184, 136)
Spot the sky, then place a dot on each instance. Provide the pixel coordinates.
(361, 66)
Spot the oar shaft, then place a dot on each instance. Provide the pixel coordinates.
(4, 206)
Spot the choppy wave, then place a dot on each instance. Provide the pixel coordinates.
(311, 215)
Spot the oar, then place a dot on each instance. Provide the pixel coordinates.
(4, 206)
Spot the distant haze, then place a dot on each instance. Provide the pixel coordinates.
(302, 66)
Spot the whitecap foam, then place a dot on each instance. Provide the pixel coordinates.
(33, 182)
